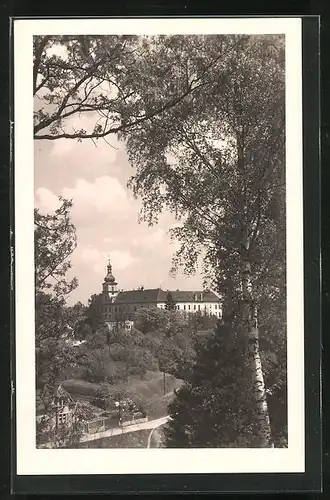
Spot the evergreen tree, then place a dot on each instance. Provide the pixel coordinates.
(214, 408)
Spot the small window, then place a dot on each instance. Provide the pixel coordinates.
(184, 306)
(189, 307)
(199, 307)
(216, 307)
(194, 306)
(62, 418)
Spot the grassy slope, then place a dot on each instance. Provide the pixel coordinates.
(150, 388)
(157, 438)
(138, 439)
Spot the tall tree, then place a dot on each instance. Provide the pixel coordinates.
(93, 312)
(54, 241)
(217, 162)
(170, 302)
(119, 81)
(77, 319)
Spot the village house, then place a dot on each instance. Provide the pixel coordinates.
(61, 412)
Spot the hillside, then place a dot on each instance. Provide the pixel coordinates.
(150, 389)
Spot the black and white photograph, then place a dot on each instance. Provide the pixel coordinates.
(159, 286)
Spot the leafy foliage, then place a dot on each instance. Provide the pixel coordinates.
(93, 312)
(53, 353)
(218, 164)
(214, 407)
(149, 320)
(77, 318)
(55, 240)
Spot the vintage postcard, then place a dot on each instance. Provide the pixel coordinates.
(159, 246)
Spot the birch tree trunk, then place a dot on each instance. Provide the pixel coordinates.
(250, 331)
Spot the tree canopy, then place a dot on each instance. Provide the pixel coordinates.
(117, 81)
(217, 163)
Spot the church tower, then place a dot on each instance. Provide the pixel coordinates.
(109, 286)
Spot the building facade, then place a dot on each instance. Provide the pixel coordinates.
(120, 305)
(61, 410)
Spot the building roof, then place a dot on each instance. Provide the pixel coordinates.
(62, 393)
(153, 295)
(156, 295)
(194, 296)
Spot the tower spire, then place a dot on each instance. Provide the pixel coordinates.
(109, 277)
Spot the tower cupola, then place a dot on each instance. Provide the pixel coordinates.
(109, 286)
(110, 277)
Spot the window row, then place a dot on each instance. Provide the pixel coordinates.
(184, 307)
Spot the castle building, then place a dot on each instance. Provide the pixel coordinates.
(121, 305)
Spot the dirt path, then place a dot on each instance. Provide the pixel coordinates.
(156, 435)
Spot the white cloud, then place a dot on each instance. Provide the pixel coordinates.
(46, 200)
(102, 203)
(149, 241)
(97, 259)
(63, 146)
(121, 259)
(105, 195)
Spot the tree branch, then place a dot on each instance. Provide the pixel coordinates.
(37, 58)
(113, 130)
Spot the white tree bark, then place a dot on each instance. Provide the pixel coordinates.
(250, 329)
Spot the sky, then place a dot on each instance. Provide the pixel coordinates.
(106, 217)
